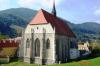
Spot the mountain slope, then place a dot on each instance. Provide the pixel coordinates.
(89, 30)
(18, 17)
(7, 31)
(22, 16)
(23, 13)
(90, 26)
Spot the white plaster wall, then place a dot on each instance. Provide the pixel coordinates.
(47, 27)
(38, 33)
(50, 33)
(52, 47)
(26, 50)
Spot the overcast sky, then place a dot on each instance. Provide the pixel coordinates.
(75, 11)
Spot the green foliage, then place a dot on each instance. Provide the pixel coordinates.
(19, 63)
(90, 62)
(3, 36)
(95, 47)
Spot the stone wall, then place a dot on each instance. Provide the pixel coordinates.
(42, 32)
(63, 50)
(47, 56)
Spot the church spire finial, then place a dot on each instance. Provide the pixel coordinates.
(54, 9)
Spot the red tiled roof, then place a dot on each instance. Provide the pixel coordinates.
(44, 17)
(8, 43)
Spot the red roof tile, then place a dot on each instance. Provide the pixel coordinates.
(44, 17)
(8, 43)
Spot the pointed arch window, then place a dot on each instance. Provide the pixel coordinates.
(37, 47)
(47, 43)
(27, 43)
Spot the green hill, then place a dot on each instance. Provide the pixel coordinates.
(17, 17)
(20, 17)
(23, 13)
(88, 30)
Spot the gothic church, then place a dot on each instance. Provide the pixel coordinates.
(48, 40)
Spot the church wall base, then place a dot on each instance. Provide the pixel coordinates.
(48, 61)
(26, 59)
(39, 61)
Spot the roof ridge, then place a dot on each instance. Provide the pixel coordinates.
(46, 17)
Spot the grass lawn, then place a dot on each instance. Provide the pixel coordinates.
(18, 63)
(89, 62)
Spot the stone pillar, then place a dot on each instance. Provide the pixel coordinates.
(43, 47)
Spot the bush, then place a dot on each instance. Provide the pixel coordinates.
(96, 51)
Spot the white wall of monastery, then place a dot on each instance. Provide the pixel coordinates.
(38, 33)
